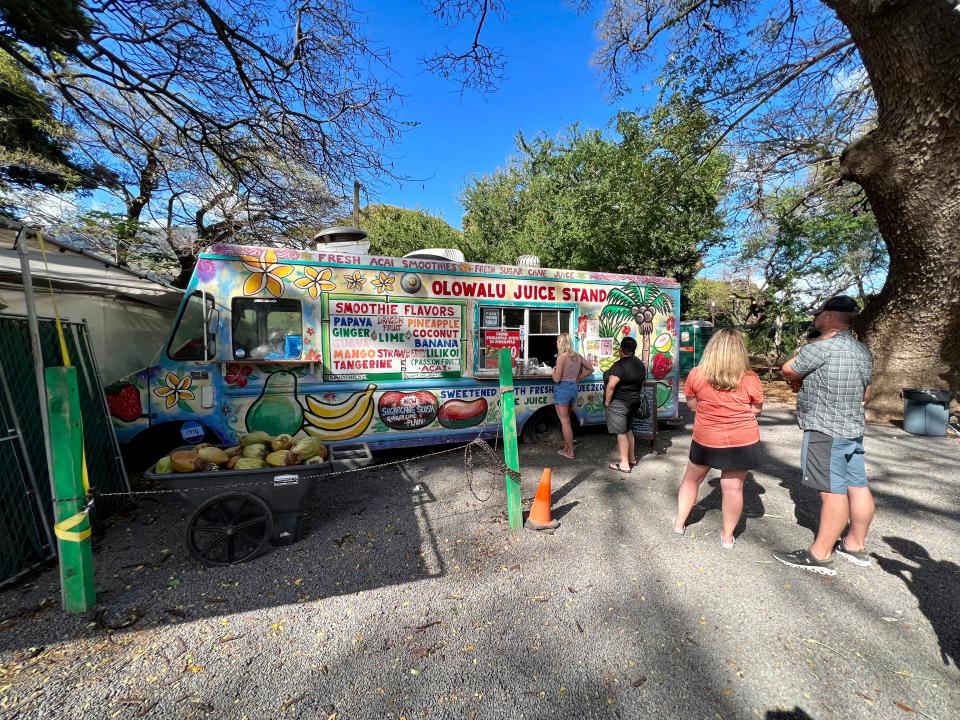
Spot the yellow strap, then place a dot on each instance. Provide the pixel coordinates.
(63, 351)
(64, 528)
(53, 301)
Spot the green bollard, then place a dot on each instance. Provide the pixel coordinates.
(73, 522)
(511, 455)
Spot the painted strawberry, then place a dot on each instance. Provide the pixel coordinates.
(626, 330)
(662, 365)
(671, 323)
(124, 401)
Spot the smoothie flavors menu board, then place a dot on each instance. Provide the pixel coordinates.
(371, 339)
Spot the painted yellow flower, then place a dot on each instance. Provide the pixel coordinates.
(383, 282)
(175, 390)
(316, 281)
(265, 272)
(355, 280)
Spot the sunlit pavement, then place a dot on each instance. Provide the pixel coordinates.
(410, 598)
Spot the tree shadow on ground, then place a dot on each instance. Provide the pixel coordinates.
(795, 714)
(806, 501)
(363, 531)
(752, 504)
(936, 585)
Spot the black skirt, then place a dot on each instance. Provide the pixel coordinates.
(744, 457)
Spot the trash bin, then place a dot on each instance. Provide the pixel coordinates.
(925, 411)
(694, 335)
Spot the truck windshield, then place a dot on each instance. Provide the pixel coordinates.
(187, 341)
(267, 329)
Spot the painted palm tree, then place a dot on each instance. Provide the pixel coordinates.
(640, 304)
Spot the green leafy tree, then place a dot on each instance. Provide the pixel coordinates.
(871, 86)
(396, 231)
(716, 300)
(807, 249)
(35, 148)
(625, 204)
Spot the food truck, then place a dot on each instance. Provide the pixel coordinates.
(386, 351)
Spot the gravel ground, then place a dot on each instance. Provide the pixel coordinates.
(411, 599)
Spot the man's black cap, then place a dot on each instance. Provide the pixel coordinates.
(839, 303)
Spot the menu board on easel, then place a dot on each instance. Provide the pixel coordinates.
(646, 429)
(388, 340)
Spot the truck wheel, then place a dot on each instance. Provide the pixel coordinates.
(544, 427)
(155, 442)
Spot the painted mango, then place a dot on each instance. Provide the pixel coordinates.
(407, 411)
(456, 414)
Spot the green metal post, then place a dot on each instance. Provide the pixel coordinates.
(73, 525)
(511, 455)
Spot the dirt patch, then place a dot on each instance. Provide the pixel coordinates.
(779, 391)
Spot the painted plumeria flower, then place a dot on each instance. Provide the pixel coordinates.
(355, 280)
(175, 390)
(265, 273)
(383, 282)
(316, 281)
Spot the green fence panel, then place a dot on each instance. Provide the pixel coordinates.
(23, 544)
(103, 463)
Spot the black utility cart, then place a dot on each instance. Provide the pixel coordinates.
(237, 512)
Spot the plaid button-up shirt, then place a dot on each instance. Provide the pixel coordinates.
(836, 373)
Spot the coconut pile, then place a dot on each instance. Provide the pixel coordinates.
(255, 451)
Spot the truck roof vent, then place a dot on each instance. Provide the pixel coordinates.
(344, 238)
(528, 261)
(443, 254)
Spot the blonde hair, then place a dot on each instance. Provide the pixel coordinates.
(725, 360)
(564, 343)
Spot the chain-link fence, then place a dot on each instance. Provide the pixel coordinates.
(23, 542)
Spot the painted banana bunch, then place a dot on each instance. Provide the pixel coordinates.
(341, 420)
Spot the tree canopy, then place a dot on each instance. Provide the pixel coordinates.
(35, 148)
(871, 87)
(231, 79)
(622, 204)
(395, 231)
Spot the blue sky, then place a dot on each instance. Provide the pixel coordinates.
(549, 85)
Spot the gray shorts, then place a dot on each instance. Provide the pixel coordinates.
(620, 416)
(832, 464)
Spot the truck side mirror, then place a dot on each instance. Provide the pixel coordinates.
(213, 321)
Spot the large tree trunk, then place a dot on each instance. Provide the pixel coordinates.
(909, 167)
(187, 264)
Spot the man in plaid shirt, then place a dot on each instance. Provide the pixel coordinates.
(833, 375)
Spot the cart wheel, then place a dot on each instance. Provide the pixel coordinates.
(228, 529)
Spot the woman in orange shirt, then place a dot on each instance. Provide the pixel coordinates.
(726, 396)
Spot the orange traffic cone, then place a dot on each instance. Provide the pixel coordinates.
(540, 517)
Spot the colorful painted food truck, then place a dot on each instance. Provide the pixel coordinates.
(386, 351)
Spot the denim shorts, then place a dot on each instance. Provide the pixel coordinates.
(565, 392)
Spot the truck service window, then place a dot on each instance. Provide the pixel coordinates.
(267, 329)
(528, 332)
(187, 341)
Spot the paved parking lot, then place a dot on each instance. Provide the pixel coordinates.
(411, 599)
